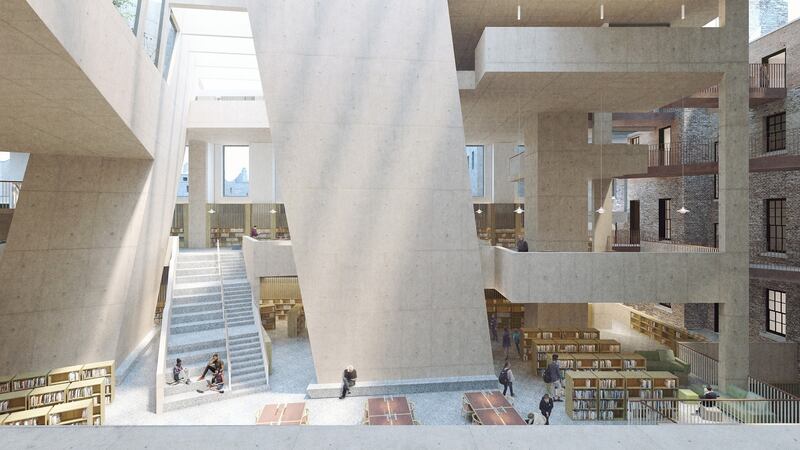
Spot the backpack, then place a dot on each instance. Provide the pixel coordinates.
(503, 378)
(546, 376)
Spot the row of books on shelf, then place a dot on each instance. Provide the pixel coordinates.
(30, 383)
(45, 399)
(611, 394)
(611, 404)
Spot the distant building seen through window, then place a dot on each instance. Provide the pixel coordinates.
(236, 170)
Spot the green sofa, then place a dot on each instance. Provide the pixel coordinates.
(665, 360)
(747, 412)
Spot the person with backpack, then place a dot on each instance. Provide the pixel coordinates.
(553, 379)
(506, 378)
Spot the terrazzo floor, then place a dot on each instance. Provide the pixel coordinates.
(293, 370)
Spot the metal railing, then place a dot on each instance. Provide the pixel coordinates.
(787, 143)
(713, 412)
(9, 194)
(224, 322)
(516, 167)
(702, 366)
(228, 98)
(680, 152)
(668, 247)
(762, 76)
(161, 370)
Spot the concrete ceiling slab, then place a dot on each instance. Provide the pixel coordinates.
(468, 18)
(497, 109)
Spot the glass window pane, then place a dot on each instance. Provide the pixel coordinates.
(129, 9)
(172, 35)
(475, 167)
(236, 168)
(152, 28)
(183, 181)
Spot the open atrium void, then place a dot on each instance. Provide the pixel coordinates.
(416, 222)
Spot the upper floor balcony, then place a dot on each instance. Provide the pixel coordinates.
(767, 84)
(9, 194)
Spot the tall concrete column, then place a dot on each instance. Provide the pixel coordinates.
(602, 225)
(734, 197)
(601, 127)
(197, 235)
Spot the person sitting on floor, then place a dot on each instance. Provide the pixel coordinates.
(180, 373)
(217, 382)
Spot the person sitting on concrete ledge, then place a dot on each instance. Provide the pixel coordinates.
(348, 380)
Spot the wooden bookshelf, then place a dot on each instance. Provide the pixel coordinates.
(633, 361)
(637, 384)
(611, 404)
(608, 361)
(104, 371)
(581, 395)
(608, 346)
(565, 362)
(64, 375)
(588, 333)
(3, 418)
(5, 384)
(588, 345)
(583, 361)
(47, 396)
(665, 387)
(72, 413)
(544, 349)
(30, 417)
(659, 331)
(26, 381)
(509, 315)
(14, 401)
(91, 389)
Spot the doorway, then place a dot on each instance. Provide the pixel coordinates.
(664, 145)
(634, 220)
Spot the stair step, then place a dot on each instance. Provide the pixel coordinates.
(189, 399)
(194, 308)
(183, 319)
(195, 327)
(242, 373)
(195, 361)
(207, 346)
(186, 291)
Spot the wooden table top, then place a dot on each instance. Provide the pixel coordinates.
(282, 414)
(487, 400)
(389, 411)
(492, 408)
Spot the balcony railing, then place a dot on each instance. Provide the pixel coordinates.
(624, 241)
(713, 412)
(668, 247)
(678, 152)
(762, 76)
(786, 143)
(9, 194)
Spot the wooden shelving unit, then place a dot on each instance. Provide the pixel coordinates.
(612, 390)
(30, 417)
(509, 315)
(659, 331)
(25, 381)
(5, 384)
(565, 362)
(611, 403)
(3, 418)
(47, 396)
(581, 395)
(72, 413)
(91, 389)
(633, 361)
(608, 361)
(14, 401)
(583, 361)
(573, 335)
(588, 345)
(104, 371)
(64, 375)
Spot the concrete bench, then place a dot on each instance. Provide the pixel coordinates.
(401, 387)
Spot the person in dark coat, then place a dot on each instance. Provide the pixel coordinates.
(506, 341)
(348, 380)
(546, 407)
(522, 245)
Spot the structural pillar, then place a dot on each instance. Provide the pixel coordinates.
(601, 188)
(734, 197)
(197, 228)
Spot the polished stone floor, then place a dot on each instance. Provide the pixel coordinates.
(293, 370)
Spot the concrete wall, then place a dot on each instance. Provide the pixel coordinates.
(267, 259)
(767, 359)
(80, 275)
(227, 114)
(363, 102)
(6, 215)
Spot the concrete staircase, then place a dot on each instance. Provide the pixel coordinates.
(197, 330)
(247, 361)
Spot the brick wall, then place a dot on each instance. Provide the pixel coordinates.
(765, 185)
(767, 16)
(673, 316)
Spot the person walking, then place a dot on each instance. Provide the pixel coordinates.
(516, 336)
(506, 342)
(506, 378)
(493, 327)
(348, 380)
(554, 380)
(546, 407)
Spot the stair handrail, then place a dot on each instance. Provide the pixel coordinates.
(166, 317)
(224, 322)
(257, 318)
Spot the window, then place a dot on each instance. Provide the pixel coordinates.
(776, 225)
(716, 235)
(634, 140)
(664, 219)
(152, 28)
(716, 186)
(235, 168)
(664, 146)
(776, 312)
(129, 9)
(776, 132)
(521, 189)
(183, 181)
(475, 167)
(172, 35)
(716, 150)
(666, 305)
